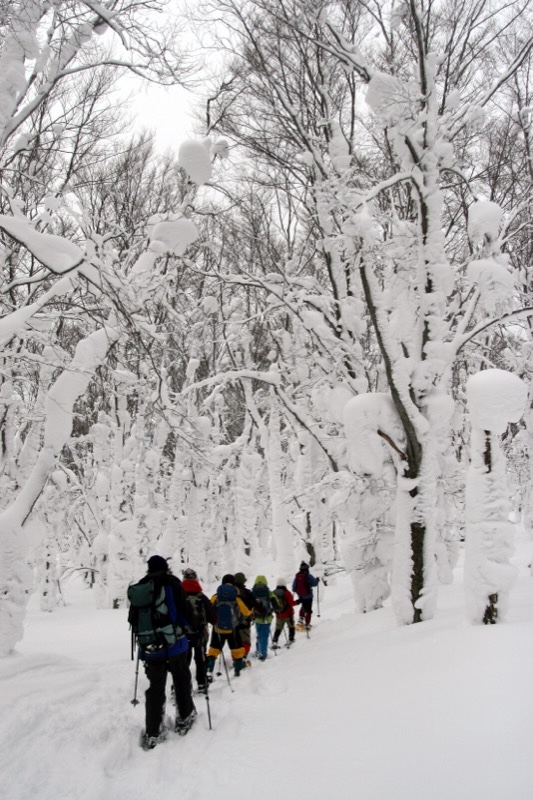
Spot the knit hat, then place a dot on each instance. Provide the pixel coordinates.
(190, 574)
(281, 582)
(304, 566)
(240, 578)
(157, 564)
(228, 579)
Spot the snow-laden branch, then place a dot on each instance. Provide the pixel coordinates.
(272, 378)
(503, 320)
(11, 323)
(58, 254)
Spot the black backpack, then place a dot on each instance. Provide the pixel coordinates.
(197, 615)
(150, 616)
(282, 600)
(261, 593)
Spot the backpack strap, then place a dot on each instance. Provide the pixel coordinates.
(176, 617)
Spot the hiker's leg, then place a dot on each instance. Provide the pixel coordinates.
(307, 608)
(237, 650)
(245, 633)
(181, 675)
(263, 632)
(156, 672)
(290, 625)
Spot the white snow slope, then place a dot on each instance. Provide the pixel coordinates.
(364, 709)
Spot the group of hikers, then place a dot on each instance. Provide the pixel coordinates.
(170, 621)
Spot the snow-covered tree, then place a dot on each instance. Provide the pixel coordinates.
(411, 259)
(495, 398)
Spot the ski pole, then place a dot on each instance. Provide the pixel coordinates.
(135, 702)
(208, 708)
(207, 691)
(227, 671)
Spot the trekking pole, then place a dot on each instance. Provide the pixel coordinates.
(227, 671)
(318, 599)
(208, 707)
(272, 643)
(207, 694)
(135, 702)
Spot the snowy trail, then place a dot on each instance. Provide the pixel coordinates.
(363, 709)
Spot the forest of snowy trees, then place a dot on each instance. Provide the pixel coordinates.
(307, 333)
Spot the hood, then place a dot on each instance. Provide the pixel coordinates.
(261, 580)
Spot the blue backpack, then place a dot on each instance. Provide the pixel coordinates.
(226, 606)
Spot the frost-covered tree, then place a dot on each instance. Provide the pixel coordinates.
(54, 261)
(412, 259)
(495, 398)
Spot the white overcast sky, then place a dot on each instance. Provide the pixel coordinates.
(168, 112)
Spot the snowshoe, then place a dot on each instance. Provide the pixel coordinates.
(183, 726)
(149, 742)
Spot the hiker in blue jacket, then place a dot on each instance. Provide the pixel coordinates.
(302, 585)
(164, 657)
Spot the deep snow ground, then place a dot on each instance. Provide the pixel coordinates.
(436, 711)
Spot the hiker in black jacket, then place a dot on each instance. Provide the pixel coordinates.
(245, 623)
(169, 654)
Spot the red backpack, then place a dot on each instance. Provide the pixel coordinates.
(302, 584)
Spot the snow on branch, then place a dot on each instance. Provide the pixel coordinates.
(271, 378)
(58, 254)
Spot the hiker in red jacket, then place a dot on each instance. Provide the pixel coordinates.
(284, 614)
(303, 584)
(203, 615)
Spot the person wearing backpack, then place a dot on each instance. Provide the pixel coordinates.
(303, 584)
(229, 606)
(203, 615)
(265, 603)
(245, 623)
(158, 617)
(284, 612)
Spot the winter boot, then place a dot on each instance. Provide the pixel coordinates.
(238, 666)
